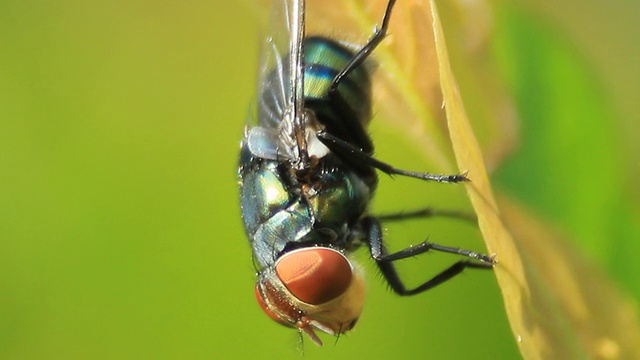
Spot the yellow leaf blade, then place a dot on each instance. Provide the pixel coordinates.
(467, 151)
(547, 288)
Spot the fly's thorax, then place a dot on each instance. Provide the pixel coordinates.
(314, 288)
(339, 197)
(263, 192)
(280, 210)
(273, 212)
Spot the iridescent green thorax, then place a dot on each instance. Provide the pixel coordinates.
(275, 215)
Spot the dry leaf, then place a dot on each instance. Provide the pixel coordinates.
(558, 306)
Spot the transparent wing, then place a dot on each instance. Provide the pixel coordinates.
(274, 74)
(280, 108)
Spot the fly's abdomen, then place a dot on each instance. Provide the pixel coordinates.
(324, 59)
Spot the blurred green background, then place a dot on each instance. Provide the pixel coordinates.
(120, 234)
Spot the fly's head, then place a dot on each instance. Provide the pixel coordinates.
(315, 288)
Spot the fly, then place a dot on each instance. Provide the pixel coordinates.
(307, 175)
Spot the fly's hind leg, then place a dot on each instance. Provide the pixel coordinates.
(361, 155)
(356, 130)
(366, 50)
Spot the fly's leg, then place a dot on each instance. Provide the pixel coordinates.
(354, 155)
(428, 213)
(366, 50)
(356, 130)
(361, 154)
(388, 269)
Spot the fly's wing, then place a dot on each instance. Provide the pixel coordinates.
(274, 74)
(275, 134)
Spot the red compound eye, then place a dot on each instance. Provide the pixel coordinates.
(315, 275)
(269, 308)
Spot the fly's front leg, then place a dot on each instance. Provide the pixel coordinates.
(385, 260)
